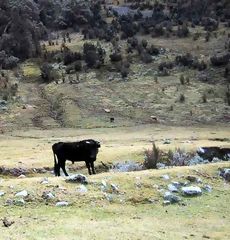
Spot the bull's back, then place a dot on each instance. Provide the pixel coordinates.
(70, 151)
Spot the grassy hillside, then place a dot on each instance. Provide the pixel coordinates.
(131, 101)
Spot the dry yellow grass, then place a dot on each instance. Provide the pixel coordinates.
(32, 148)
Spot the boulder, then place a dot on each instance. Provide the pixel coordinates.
(172, 188)
(47, 195)
(191, 191)
(77, 178)
(19, 202)
(168, 196)
(23, 193)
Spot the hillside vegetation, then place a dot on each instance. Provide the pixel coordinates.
(80, 72)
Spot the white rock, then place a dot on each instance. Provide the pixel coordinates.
(165, 177)
(44, 181)
(22, 176)
(2, 193)
(78, 178)
(82, 189)
(207, 188)
(191, 191)
(19, 202)
(48, 195)
(109, 197)
(114, 188)
(168, 196)
(23, 193)
(62, 204)
(172, 188)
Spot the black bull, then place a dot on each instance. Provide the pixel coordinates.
(85, 150)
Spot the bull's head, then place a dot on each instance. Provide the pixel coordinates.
(93, 143)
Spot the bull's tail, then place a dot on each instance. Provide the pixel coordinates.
(56, 167)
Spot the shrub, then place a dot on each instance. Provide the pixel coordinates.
(220, 60)
(48, 73)
(146, 57)
(8, 62)
(152, 157)
(144, 43)
(115, 57)
(182, 98)
(78, 66)
(182, 80)
(179, 157)
(124, 72)
(204, 98)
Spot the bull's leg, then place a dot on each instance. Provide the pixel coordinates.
(88, 166)
(92, 166)
(57, 170)
(63, 167)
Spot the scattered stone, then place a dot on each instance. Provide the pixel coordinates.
(127, 167)
(216, 159)
(109, 197)
(172, 188)
(77, 178)
(207, 188)
(107, 110)
(47, 195)
(197, 160)
(191, 178)
(44, 181)
(22, 176)
(167, 141)
(168, 196)
(9, 202)
(19, 202)
(82, 189)
(165, 177)
(6, 222)
(2, 193)
(225, 173)
(62, 204)
(23, 193)
(165, 203)
(176, 184)
(191, 191)
(114, 188)
(160, 166)
(104, 186)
